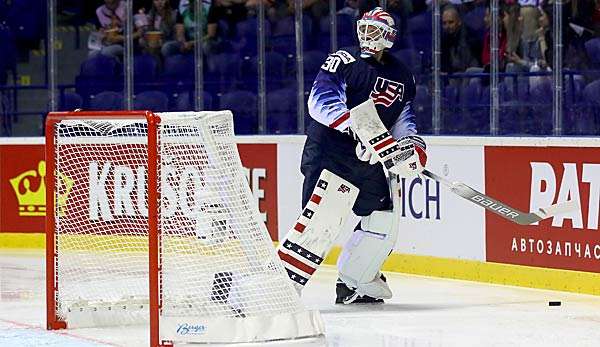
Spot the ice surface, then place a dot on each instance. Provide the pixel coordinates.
(424, 312)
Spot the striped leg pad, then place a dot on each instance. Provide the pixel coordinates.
(306, 244)
(299, 262)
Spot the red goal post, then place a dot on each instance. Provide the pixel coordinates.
(160, 198)
(53, 322)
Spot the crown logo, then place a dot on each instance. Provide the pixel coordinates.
(33, 202)
(65, 183)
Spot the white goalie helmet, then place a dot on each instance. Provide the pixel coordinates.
(375, 32)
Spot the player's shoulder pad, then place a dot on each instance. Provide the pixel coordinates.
(337, 59)
(345, 56)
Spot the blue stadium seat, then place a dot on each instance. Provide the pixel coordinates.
(275, 68)
(185, 102)
(451, 110)
(27, 18)
(70, 101)
(474, 19)
(541, 108)
(283, 34)
(422, 108)
(243, 105)
(145, 71)
(178, 74)
(224, 70)
(179, 66)
(541, 93)
(471, 94)
(346, 32)
(152, 100)
(411, 58)
(281, 111)
(6, 121)
(8, 58)
(247, 36)
(573, 89)
(312, 64)
(589, 119)
(98, 73)
(419, 34)
(593, 50)
(451, 95)
(100, 65)
(107, 101)
(591, 94)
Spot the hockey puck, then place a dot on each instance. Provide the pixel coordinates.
(554, 303)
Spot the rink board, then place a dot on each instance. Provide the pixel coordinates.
(440, 234)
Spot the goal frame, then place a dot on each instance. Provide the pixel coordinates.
(52, 320)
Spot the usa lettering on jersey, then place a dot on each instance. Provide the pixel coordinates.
(386, 92)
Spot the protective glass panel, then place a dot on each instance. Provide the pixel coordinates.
(526, 88)
(413, 47)
(23, 79)
(281, 62)
(580, 34)
(465, 88)
(90, 47)
(230, 52)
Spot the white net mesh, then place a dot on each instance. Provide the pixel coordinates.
(101, 219)
(217, 258)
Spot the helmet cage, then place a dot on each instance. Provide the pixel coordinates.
(374, 35)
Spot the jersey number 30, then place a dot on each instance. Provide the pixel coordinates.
(331, 64)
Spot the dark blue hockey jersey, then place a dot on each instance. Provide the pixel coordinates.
(345, 81)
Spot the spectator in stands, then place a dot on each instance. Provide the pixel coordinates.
(524, 49)
(185, 29)
(401, 10)
(316, 8)
(581, 23)
(366, 6)
(585, 14)
(512, 23)
(112, 17)
(159, 35)
(460, 46)
(228, 11)
(544, 35)
(530, 41)
(486, 51)
(350, 8)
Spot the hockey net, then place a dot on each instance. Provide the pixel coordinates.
(151, 220)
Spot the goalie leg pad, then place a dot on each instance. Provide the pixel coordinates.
(307, 243)
(364, 254)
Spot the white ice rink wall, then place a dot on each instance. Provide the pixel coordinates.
(441, 234)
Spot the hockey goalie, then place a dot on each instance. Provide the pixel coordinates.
(343, 175)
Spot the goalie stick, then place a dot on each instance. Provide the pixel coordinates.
(367, 125)
(500, 208)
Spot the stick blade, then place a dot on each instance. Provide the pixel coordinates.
(560, 208)
(547, 212)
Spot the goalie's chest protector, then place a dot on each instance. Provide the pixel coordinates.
(390, 84)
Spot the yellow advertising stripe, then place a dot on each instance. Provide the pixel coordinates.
(128, 243)
(517, 275)
(22, 240)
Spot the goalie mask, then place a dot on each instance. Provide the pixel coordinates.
(375, 32)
